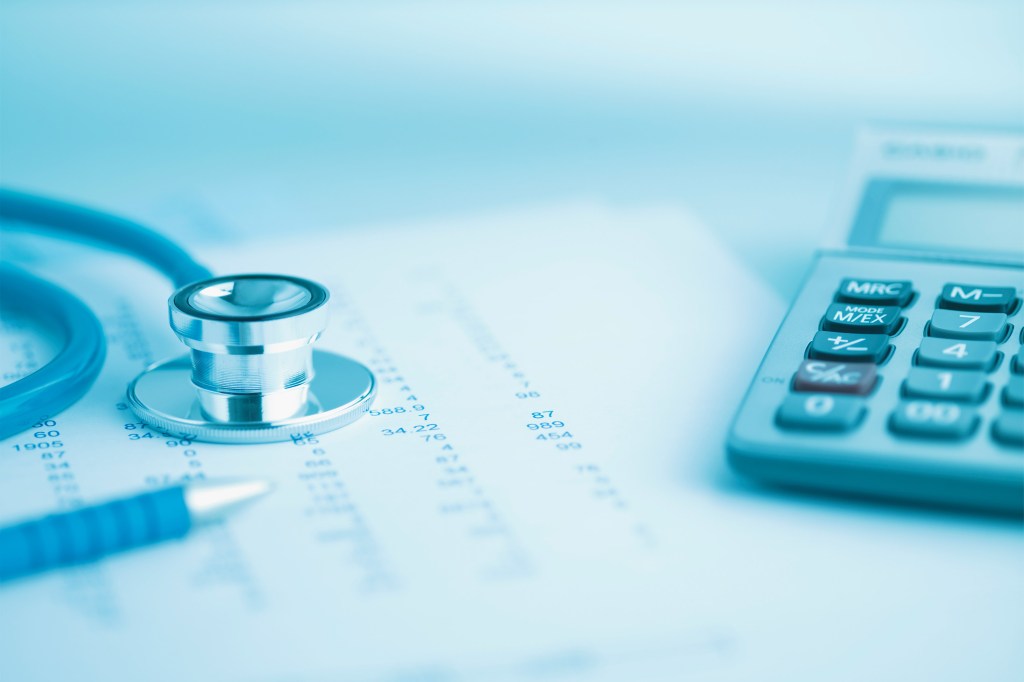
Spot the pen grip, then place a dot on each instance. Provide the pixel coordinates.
(92, 532)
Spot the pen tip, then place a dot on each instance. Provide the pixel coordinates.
(212, 499)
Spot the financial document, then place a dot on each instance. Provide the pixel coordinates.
(537, 492)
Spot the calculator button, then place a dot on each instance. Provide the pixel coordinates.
(1017, 367)
(835, 377)
(868, 319)
(820, 412)
(953, 324)
(849, 347)
(875, 291)
(972, 297)
(957, 354)
(1013, 392)
(933, 419)
(945, 384)
(1009, 428)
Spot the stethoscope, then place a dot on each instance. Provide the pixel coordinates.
(249, 375)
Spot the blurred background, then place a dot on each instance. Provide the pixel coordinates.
(238, 117)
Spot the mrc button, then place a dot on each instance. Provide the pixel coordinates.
(878, 292)
(870, 319)
(980, 298)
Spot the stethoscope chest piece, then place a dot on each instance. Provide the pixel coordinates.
(252, 374)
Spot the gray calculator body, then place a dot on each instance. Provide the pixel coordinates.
(898, 371)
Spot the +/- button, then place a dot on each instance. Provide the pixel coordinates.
(934, 419)
(957, 354)
(877, 292)
(867, 319)
(980, 298)
(820, 412)
(849, 347)
(953, 324)
(835, 377)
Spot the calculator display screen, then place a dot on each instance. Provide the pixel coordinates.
(942, 217)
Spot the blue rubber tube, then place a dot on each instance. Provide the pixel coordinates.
(66, 378)
(92, 532)
(109, 230)
(69, 375)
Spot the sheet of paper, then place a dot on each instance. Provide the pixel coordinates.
(537, 494)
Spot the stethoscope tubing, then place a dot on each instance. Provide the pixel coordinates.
(61, 382)
(71, 372)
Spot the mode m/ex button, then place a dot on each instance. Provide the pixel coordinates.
(869, 319)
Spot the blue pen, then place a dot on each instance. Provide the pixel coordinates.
(89, 533)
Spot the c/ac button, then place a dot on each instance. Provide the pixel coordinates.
(856, 378)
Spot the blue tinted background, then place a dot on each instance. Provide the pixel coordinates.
(259, 116)
(255, 117)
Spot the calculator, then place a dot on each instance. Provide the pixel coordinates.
(898, 371)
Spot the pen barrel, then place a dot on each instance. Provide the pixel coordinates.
(92, 532)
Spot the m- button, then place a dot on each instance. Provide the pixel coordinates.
(979, 298)
(870, 319)
(875, 291)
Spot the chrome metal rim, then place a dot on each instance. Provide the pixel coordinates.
(163, 395)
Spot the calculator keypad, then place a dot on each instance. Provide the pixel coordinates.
(844, 355)
(932, 411)
(951, 368)
(960, 347)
